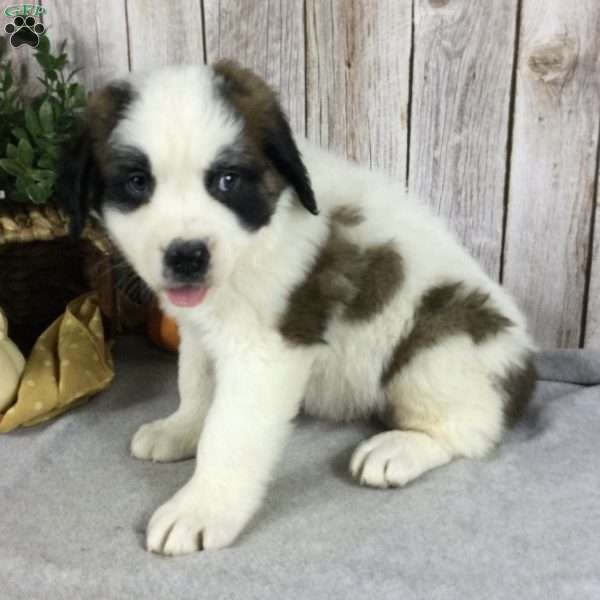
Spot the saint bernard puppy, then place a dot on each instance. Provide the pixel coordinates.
(299, 281)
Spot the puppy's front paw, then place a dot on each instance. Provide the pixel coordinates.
(186, 523)
(166, 440)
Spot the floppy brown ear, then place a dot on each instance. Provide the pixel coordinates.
(282, 151)
(268, 125)
(79, 179)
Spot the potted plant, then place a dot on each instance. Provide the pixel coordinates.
(41, 267)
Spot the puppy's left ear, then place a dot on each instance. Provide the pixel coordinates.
(281, 150)
(266, 123)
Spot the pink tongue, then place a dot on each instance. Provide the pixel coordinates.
(186, 296)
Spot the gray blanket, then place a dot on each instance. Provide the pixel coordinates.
(524, 523)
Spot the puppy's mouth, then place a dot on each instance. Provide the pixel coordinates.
(186, 296)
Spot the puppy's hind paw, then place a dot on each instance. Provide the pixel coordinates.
(395, 458)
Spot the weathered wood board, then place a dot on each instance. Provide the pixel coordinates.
(266, 36)
(553, 165)
(164, 33)
(463, 62)
(592, 315)
(358, 59)
(96, 34)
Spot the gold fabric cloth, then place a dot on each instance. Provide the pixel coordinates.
(69, 362)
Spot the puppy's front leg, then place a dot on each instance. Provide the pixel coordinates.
(256, 398)
(176, 436)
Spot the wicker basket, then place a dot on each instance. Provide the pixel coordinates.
(42, 269)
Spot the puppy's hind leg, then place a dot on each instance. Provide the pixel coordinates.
(176, 437)
(441, 405)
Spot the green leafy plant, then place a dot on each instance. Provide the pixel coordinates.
(32, 130)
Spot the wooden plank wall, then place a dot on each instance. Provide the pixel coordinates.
(463, 62)
(488, 110)
(350, 47)
(267, 36)
(553, 165)
(101, 49)
(591, 320)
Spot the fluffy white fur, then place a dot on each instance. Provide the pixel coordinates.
(240, 381)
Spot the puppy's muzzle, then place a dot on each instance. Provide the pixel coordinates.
(186, 261)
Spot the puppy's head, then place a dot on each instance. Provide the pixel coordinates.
(186, 167)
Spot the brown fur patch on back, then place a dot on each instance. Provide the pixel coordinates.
(446, 310)
(382, 275)
(359, 281)
(518, 385)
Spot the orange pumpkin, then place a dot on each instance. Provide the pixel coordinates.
(162, 330)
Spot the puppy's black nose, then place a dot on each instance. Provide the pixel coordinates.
(186, 261)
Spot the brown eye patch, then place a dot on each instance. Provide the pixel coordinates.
(239, 180)
(266, 132)
(129, 182)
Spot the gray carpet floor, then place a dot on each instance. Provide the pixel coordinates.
(524, 523)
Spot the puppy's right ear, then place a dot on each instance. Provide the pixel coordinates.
(78, 180)
(80, 184)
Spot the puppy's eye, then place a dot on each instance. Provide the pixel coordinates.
(138, 184)
(228, 182)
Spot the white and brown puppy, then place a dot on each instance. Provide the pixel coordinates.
(299, 281)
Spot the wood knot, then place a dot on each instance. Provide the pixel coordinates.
(554, 61)
(438, 3)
